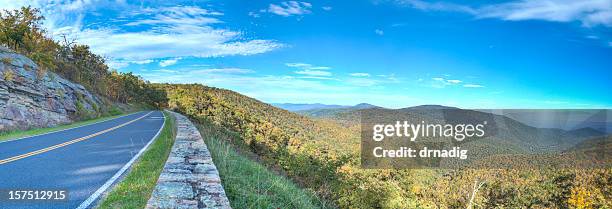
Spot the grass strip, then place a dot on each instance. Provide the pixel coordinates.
(135, 189)
(15, 134)
(249, 184)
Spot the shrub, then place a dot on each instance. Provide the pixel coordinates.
(9, 75)
(6, 60)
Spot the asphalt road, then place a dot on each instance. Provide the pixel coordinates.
(84, 161)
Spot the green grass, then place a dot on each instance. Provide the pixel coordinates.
(249, 184)
(136, 188)
(25, 133)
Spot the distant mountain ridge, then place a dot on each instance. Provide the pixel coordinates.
(306, 106)
(593, 122)
(296, 107)
(521, 136)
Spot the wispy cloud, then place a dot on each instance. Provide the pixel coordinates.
(588, 12)
(142, 62)
(454, 81)
(224, 71)
(360, 74)
(166, 63)
(326, 8)
(309, 69)
(254, 14)
(165, 71)
(436, 6)
(147, 33)
(289, 8)
(473, 86)
(178, 15)
(117, 64)
(379, 32)
(439, 82)
(306, 66)
(313, 72)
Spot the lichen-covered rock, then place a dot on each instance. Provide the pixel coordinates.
(28, 99)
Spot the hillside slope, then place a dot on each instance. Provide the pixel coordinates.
(31, 99)
(323, 156)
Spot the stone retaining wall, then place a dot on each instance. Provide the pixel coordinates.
(190, 178)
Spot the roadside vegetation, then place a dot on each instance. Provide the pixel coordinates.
(21, 30)
(15, 134)
(247, 183)
(135, 189)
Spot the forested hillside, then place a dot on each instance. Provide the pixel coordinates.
(323, 155)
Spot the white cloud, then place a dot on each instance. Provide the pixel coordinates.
(439, 82)
(379, 32)
(326, 8)
(289, 8)
(166, 63)
(610, 44)
(437, 6)
(297, 64)
(313, 72)
(224, 71)
(454, 81)
(178, 31)
(174, 41)
(306, 66)
(588, 12)
(188, 15)
(166, 71)
(116, 64)
(310, 70)
(142, 62)
(473, 86)
(360, 74)
(254, 14)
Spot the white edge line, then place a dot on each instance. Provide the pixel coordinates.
(56, 131)
(105, 186)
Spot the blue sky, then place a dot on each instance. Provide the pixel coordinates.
(472, 54)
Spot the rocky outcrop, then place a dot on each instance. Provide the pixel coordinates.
(190, 178)
(29, 98)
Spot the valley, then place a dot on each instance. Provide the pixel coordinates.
(322, 154)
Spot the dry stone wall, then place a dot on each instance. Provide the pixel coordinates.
(190, 178)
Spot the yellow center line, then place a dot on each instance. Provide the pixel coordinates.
(18, 157)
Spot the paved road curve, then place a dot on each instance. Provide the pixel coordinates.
(82, 160)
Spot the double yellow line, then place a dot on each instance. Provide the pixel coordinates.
(18, 157)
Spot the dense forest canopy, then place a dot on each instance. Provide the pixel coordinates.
(21, 30)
